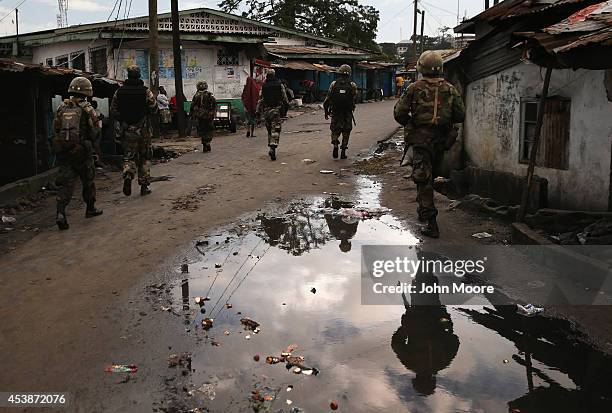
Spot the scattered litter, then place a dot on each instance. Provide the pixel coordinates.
(235, 253)
(482, 235)
(289, 402)
(248, 337)
(121, 368)
(272, 360)
(207, 324)
(168, 309)
(333, 405)
(226, 332)
(201, 243)
(201, 300)
(506, 361)
(256, 357)
(297, 370)
(528, 310)
(218, 266)
(308, 161)
(208, 391)
(290, 387)
(326, 172)
(249, 323)
(283, 163)
(8, 220)
(228, 305)
(313, 290)
(215, 343)
(262, 399)
(183, 359)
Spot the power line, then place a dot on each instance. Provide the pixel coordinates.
(12, 10)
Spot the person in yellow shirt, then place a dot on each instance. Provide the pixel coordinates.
(399, 84)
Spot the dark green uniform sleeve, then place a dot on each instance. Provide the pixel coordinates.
(402, 110)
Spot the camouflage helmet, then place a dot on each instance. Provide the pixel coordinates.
(80, 86)
(133, 72)
(430, 63)
(202, 85)
(345, 70)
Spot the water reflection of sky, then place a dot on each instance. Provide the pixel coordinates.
(350, 343)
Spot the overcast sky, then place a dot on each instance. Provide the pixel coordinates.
(395, 15)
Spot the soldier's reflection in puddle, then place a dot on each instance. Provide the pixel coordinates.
(425, 343)
(343, 229)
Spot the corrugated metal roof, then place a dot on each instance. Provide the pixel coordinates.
(591, 18)
(447, 56)
(310, 50)
(9, 65)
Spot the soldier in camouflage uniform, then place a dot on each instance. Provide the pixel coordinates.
(75, 127)
(271, 101)
(429, 110)
(340, 103)
(203, 109)
(132, 106)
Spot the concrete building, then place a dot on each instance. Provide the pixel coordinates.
(217, 47)
(501, 77)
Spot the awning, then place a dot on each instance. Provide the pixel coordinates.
(302, 65)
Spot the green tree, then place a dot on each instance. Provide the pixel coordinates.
(344, 20)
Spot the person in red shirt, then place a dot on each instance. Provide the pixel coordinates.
(250, 96)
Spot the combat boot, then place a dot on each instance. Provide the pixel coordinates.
(335, 152)
(431, 230)
(343, 154)
(127, 186)
(144, 190)
(272, 153)
(92, 211)
(61, 220)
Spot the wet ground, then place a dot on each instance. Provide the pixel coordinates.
(296, 273)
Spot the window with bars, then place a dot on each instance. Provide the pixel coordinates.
(97, 61)
(77, 60)
(227, 57)
(49, 62)
(553, 150)
(61, 61)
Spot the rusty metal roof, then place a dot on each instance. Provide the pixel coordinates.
(310, 50)
(9, 65)
(510, 9)
(591, 18)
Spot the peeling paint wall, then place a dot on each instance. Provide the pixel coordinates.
(493, 128)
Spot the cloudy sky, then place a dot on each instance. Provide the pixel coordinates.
(396, 15)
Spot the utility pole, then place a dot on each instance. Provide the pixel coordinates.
(422, 31)
(414, 34)
(16, 32)
(178, 69)
(153, 48)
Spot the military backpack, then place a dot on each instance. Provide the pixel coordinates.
(342, 96)
(204, 106)
(69, 134)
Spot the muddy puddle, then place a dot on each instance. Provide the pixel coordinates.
(296, 273)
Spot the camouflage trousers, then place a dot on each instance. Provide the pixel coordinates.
(137, 154)
(205, 130)
(69, 171)
(341, 124)
(273, 125)
(425, 168)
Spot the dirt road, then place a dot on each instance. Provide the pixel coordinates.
(110, 290)
(63, 294)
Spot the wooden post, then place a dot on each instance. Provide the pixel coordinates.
(153, 48)
(414, 34)
(422, 31)
(178, 68)
(534, 149)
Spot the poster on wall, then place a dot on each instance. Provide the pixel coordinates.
(130, 57)
(166, 64)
